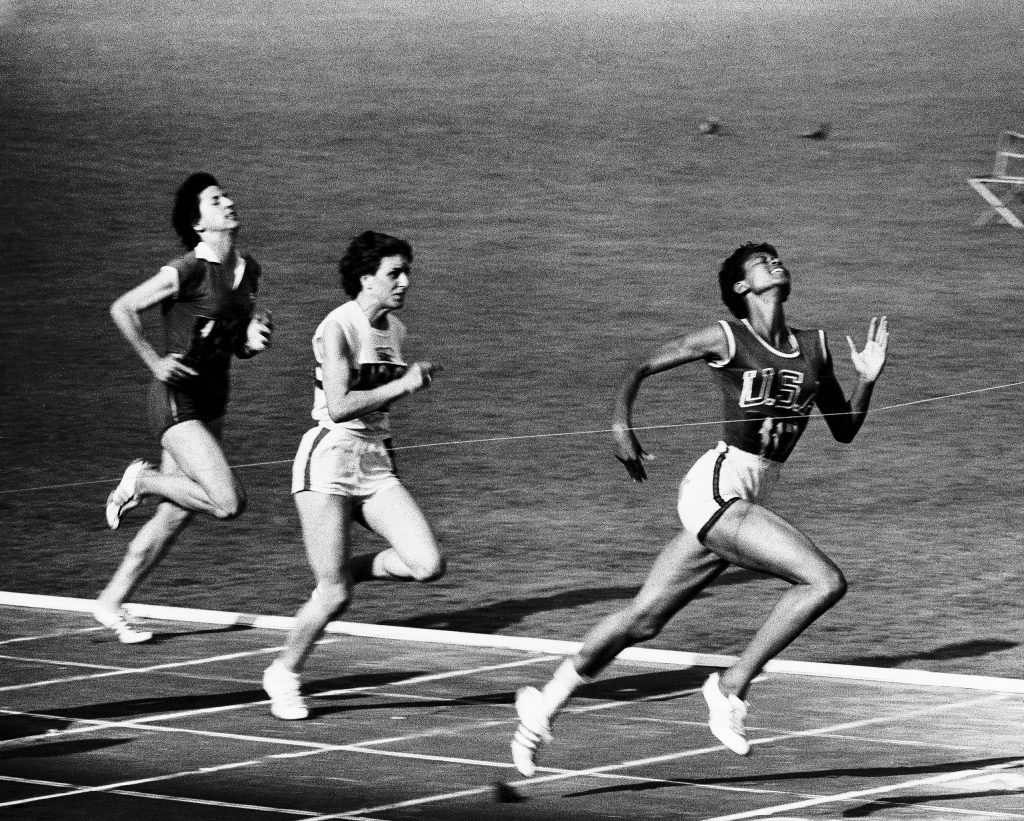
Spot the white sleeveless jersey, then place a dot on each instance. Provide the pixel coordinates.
(374, 359)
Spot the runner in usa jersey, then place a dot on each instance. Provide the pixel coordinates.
(771, 376)
(768, 392)
(207, 300)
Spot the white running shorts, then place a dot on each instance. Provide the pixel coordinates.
(720, 477)
(340, 463)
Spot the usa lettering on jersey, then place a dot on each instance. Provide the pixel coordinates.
(773, 388)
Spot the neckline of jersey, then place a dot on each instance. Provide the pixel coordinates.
(792, 341)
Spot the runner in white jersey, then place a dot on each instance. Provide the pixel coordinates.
(343, 470)
(770, 377)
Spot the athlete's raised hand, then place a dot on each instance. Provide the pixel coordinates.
(630, 453)
(871, 360)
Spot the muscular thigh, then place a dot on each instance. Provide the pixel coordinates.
(757, 538)
(394, 514)
(194, 447)
(683, 567)
(326, 522)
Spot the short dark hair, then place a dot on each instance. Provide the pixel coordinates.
(185, 214)
(732, 271)
(363, 257)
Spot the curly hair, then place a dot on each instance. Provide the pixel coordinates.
(732, 271)
(363, 257)
(185, 213)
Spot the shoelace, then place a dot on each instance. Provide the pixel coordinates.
(737, 712)
(122, 626)
(528, 738)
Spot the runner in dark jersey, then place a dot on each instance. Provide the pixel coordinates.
(770, 376)
(207, 300)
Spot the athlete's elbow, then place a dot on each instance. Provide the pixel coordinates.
(118, 310)
(341, 413)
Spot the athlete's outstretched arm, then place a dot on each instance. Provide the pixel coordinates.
(708, 343)
(843, 417)
(344, 404)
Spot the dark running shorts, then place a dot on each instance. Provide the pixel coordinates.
(168, 406)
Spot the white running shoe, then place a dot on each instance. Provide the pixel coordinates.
(117, 620)
(726, 716)
(533, 732)
(124, 497)
(282, 685)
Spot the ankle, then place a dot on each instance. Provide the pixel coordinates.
(733, 686)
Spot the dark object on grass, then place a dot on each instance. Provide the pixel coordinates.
(820, 133)
(709, 125)
(505, 794)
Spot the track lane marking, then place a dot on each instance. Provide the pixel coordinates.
(599, 772)
(127, 671)
(58, 635)
(855, 794)
(162, 797)
(561, 775)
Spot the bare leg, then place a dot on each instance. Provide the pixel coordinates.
(414, 554)
(326, 527)
(754, 537)
(683, 568)
(148, 547)
(145, 552)
(204, 482)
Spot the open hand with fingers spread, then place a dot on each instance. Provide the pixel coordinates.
(871, 360)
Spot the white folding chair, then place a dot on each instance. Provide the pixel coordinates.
(1004, 185)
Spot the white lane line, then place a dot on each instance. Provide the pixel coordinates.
(647, 655)
(94, 724)
(129, 671)
(899, 742)
(561, 775)
(62, 663)
(234, 765)
(508, 665)
(58, 635)
(856, 794)
(557, 775)
(148, 722)
(118, 668)
(163, 797)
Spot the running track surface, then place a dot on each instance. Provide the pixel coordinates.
(179, 729)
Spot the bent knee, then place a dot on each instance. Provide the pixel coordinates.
(230, 507)
(430, 571)
(831, 585)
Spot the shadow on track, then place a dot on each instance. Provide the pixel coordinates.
(864, 772)
(170, 704)
(490, 618)
(957, 650)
